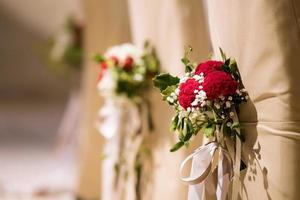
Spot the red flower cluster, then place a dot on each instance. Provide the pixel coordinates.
(103, 68)
(186, 94)
(219, 83)
(128, 64)
(208, 67)
(216, 83)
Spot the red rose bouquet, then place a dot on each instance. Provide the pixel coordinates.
(206, 99)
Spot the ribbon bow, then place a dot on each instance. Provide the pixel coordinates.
(204, 180)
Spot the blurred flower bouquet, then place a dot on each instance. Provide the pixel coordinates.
(63, 54)
(125, 80)
(66, 48)
(205, 100)
(127, 71)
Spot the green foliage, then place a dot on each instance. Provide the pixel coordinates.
(167, 92)
(185, 129)
(222, 54)
(187, 63)
(208, 129)
(177, 146)
(98, 58)
(174, 122)
(151, 60)
(162, 81)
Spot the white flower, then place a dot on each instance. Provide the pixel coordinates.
(231, 114)
(199, 78)
(195, 102)
(138, 77)
(228, 104)
(123, 51)
(230, 98)
(217, 105)
(170, 99)
(228, 124)
(177, 91)
(183, 79)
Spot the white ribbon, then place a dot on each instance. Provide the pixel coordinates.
(207, 183)
(204, 181)
(116, 113)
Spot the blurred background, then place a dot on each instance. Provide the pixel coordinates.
(38, 103)
(50, 148)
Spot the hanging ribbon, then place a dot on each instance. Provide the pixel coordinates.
(214, 167)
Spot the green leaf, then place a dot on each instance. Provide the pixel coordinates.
(98, 58)
(188, 65)
(226, 68)
(222, 54)
(189, 130)
(185, 60)
(188, 68)
(177, 146)
(167, 92)
(227, 61)
(183, 132)
(235, 125)
(162, 81)
(233, 64)
(174, 122)
(209, 130)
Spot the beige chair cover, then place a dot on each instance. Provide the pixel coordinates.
(264, 37)
(106, 25)
(170, 25)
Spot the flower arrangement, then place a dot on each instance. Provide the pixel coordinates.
(204, 99)
(124, 81)
(127, 71)
(66, 51)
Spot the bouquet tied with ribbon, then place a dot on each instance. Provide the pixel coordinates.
(206, 99)
(125, 78)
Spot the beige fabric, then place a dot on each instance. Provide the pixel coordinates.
(169, 25)
(264, 37)
(106, 25)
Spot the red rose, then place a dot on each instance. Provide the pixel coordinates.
(186, 95)
(219, 83)
(208, 67)
(103, 68)
(128, 64)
